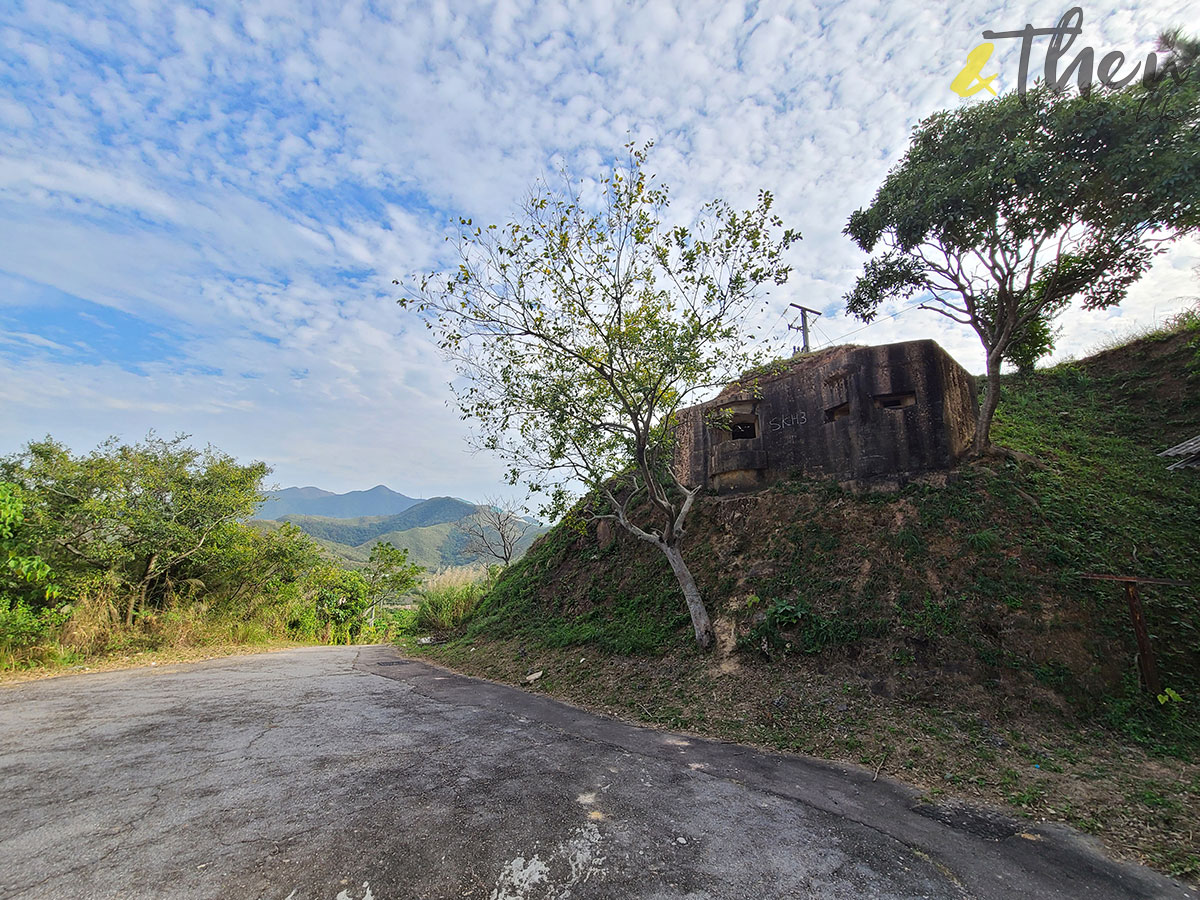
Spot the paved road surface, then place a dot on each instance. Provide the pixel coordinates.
(350, 774)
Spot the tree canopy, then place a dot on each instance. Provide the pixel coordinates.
(580, 328)
(1001, 213)
(135, 511)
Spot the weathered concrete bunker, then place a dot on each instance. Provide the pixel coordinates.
(860, 414)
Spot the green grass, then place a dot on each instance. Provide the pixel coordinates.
(642, 620)
(449, 599)
(981, 575)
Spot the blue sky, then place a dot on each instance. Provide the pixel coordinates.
(202, 207)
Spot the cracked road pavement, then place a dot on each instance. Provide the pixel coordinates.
(349, 773)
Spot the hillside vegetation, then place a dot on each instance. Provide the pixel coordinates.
(144, 547)
(430, 530)
(942, 632)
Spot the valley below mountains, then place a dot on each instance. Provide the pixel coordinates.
(433, 531)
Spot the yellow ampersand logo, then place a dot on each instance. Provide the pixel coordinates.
(970, 80)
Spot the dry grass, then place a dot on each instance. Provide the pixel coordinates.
(96, 632)
(1187, 319)
(137, 659)
(448, 598)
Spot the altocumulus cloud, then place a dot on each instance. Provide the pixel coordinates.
(202, 208)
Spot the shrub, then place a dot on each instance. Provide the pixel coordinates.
(448, 599)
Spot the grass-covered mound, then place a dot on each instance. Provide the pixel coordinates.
(942, 633)
(976, 576)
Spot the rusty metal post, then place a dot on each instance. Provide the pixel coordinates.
(1145, 651)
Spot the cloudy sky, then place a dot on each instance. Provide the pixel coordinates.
(202, 207)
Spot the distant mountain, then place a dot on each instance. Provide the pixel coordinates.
(360, 530)
(430, 530)
(311, 501)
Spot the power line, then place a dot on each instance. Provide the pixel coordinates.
(771, 333)
(805, 312)
(842, 337)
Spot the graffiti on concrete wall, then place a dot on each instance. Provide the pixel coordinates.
(788, 420)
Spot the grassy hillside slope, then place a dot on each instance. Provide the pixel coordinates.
(359, 530)
(943, 632)
(980, 574)
(431, 532)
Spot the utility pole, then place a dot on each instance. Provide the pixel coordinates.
(803, 327)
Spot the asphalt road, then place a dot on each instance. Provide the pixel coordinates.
(351, 774)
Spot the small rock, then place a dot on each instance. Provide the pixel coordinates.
(530, 679)
(681, 840)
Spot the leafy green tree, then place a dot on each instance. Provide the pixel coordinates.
(244, 568)
(137, 511)
(389, 574)
(341, 597)
(1033, 342)
(27, 589)
(22, 571)
(1002, 212)
(581, 329)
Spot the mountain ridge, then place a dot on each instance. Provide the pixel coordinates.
(313, 501)
(432, 531)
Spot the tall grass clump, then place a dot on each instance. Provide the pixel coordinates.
(1186, 320)
(449, 598)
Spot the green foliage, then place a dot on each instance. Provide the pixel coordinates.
(1003, 212)
(22, 572)
(148, 548)
(28, 617)
(392, 623)
(139, 512)
(582, 328)
(449, 599)
(1163, 729)
(620, 318)
(645, 620)
(388, 573)
(1034, 341)
(341, 598)
(792, 625)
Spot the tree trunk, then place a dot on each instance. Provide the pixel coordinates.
(983, 425)
(141, 591)
(691, 593)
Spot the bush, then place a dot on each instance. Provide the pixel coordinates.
(341, 600)
(449, 598)
(25, 632)
(162, 558)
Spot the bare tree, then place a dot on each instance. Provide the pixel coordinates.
(496, 529)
